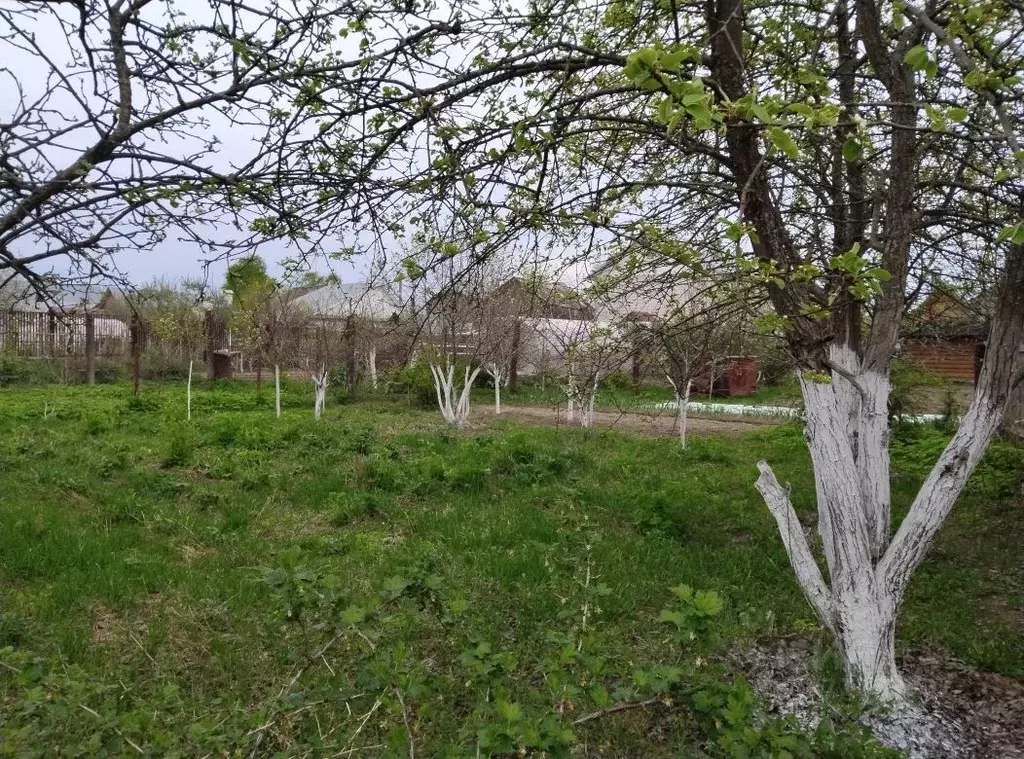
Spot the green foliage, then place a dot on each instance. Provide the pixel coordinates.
(247, 276)
(417, 384)
(906, 379)
(618, 380)
(15, 370)
(493, 587)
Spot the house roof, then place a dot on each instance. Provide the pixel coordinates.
(552, 300)
(19, 295)
(944, 315)
(355, 298)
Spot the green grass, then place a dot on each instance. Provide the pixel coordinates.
(175, 577)
(630, 399)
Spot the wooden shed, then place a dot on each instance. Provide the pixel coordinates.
(947, 337)
(955, 358)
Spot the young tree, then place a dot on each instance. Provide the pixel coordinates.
(453, 401)
(684, 345)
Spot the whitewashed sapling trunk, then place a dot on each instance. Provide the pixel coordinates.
(572, 396)
(455, 410)
(371, 360)
(320, 390)
(188, 394)
(587, 405)
(497, 374)
(277, 390)
(682, 401)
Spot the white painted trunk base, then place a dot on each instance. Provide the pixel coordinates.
(868, 573)
(320, 393)
(277, 390)
(188, 394)
(454, 408)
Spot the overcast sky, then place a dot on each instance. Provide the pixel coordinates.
(173, 259)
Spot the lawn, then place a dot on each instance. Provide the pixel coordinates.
(375, 584)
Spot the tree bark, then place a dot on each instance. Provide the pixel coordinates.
(188, 394)
(90, 349)
(208, 328)
(371, 360)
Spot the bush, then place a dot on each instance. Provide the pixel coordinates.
(417, 384)
(905, 379)
(18, 370)
(618, 380)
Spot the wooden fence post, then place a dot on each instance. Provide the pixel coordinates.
(136, 338)
(90, 349)
(51, 334)
(209, 328)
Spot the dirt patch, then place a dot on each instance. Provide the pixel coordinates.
(105, 626)
(110, 628)
(191, 553)
(659, 425)
(958, 714)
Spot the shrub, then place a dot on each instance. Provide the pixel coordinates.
(905, 379)
(618, 380)
(417, 384)
(17, 370)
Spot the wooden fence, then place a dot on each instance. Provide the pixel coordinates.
(41, 334)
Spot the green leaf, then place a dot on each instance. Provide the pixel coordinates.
(917, 57)
(784, 142)
(700, 114)
(852, 151)
(510, 712)
(708, 602)
(672, 617)
(957, 114)
(761, 112)
(880, 274)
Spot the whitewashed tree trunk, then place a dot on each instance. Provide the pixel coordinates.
(320, 390)
(848, 436)
(371, 360)
(277, 390)
(682, 401)
(188, 394)
(497, 374)
(455, 410)
(587, 406)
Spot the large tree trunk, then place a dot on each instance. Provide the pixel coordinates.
(1013, 424)
(847, 434)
